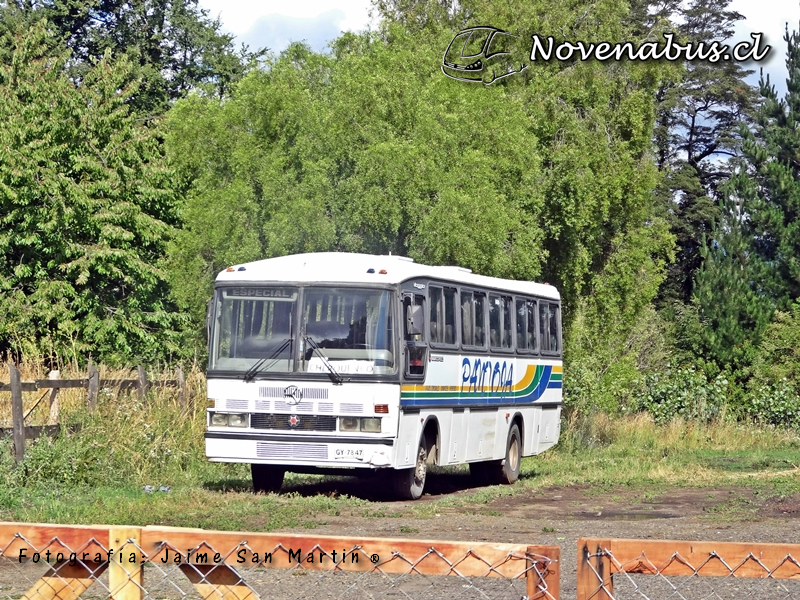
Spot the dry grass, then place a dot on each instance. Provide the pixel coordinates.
(72, 401)
(630, 450)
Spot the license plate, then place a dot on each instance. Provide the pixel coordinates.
(345, 453)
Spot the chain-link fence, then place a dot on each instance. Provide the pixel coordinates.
(617, 569)
(54, 561)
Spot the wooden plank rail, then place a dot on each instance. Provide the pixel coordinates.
(92, 383)
(395, 555)
(599, 559)
(33, 432)
(198, 548)
(43, 384)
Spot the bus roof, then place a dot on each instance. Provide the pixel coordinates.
(342, 267)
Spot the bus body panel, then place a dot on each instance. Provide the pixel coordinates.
(285, 439)
(331, 348)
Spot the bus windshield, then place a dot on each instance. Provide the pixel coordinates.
(263, 329)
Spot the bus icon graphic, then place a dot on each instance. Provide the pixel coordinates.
(482, 54)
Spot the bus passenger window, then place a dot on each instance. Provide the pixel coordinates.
(530, 332)
(553, 329)
(508, 342)
(526, 325)
(467, 319)
(480, 320)
(473, 326)
(544, 314)
(437, 310)
(500, 309)
(450, 315)
(443, 316)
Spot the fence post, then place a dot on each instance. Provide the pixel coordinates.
(93, 383)
(544, 583)
(54, 417)
(594, 570)
(17, 416)
(125, 580)
(181, 388)
(141, 379)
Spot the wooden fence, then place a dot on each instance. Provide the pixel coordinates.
(92, 384)
(612, 569)
(47, 562)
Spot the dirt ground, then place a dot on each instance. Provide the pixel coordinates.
(561, 515)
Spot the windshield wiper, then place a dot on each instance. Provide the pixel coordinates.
(335, 377)
(260, 366)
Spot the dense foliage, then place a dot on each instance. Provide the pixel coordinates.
(545, 175)
(172, 46)
(87, 205)
(141, 154)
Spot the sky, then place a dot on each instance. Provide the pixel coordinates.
(272, 24)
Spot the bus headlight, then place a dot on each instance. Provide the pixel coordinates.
(219, 419)
(348, 424)
(237, 420)
(371, 424)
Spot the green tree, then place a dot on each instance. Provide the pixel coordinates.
(754, 263)
(544, 175)
(729, 288)
(772, 150)
(86, 207)
(697, 132)
(172, 45)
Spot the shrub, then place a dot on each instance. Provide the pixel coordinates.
(687, 393)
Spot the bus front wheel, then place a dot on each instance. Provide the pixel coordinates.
(267, 478)
(409, 483)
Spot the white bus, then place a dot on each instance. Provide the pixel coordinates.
(340, 363)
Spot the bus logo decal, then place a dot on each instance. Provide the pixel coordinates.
(293, 421)
(293, 395)
(479, 377)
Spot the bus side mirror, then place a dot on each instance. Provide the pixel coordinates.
(209, 314)
(414, 320)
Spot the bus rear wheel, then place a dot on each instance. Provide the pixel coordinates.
(494, 472)
(410, 483)
(509, 468)
(267, 478)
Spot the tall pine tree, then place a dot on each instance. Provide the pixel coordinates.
(697, 130)
(753, 264)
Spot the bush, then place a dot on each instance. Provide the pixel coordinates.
(774, 404)
(686, 393)
(605, 369)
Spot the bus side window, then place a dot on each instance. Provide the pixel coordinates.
(437, 315)
(553, 329)
(526, 325)
(416, 351)
(480, 320)
(500, 328)
(531, 329)
(443, 316)
(467, 319)
(544, 313)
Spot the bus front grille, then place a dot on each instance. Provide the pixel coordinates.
(301, 451)
(293, 422)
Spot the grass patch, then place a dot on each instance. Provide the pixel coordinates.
(97, 475)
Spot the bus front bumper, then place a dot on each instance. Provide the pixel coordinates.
(319, 451)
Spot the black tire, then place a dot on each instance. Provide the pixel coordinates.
(410, 483)
(509, 468)
(496, 472)
(267, 478)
